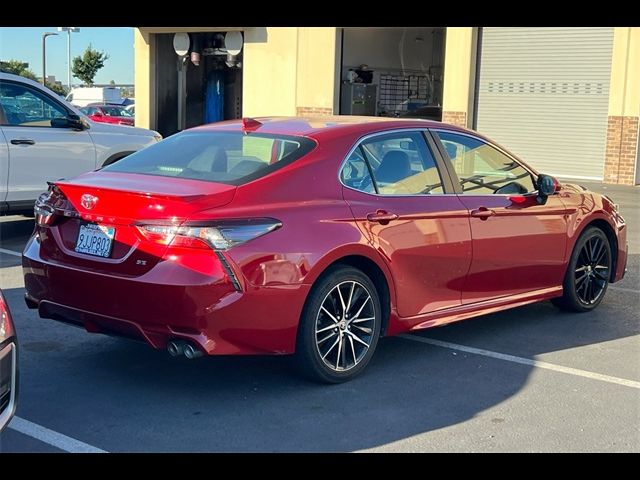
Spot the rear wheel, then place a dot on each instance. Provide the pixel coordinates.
(588, 273)
(339, 326)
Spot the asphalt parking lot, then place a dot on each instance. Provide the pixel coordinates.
(528, 379)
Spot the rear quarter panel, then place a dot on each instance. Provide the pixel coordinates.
(318, 227)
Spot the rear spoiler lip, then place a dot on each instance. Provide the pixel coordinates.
(165, 196)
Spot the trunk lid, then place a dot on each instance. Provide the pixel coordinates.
(116, 203)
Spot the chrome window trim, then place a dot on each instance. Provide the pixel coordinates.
(357, 143)
(5, 417)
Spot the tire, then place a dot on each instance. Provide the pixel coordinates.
(586, 280)
(325, 329)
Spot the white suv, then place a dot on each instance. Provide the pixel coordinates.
(43, 138)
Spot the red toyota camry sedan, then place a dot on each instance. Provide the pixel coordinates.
(314, 237)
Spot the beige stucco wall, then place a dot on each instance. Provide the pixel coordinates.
(316, 67)
(624, 96)
(269, 71)
(459, 70)
(144, 79)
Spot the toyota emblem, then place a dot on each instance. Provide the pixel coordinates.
(88, 201)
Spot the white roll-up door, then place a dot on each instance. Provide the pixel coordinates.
(543, 93)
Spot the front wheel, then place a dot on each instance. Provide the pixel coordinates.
(339, 326)
(588, 272)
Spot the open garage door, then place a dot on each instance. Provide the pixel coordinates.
(392, 72)
(543, 93)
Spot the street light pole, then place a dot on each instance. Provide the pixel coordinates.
(68, 30)
(44, 56)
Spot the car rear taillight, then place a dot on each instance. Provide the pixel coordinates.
(51, 205)
(43, 210)
(218, 236)
(6, 326)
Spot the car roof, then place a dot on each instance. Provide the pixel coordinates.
(326, 126)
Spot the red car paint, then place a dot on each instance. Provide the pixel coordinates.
(440, 262)
(105, 114)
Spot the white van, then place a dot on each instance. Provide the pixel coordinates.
(83, 96)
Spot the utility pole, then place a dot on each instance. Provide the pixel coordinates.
(68, 30)
(44, 56)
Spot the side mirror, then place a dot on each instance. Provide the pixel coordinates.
(547, 185)
(70, 121)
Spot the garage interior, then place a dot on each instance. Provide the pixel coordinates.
(392, 72)
(213, 82)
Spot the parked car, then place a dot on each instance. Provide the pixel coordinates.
(104, 113)
(8, 365)
(43, 138)
(314, 237)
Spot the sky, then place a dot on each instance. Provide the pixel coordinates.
(25, 44)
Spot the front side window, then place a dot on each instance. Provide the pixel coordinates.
(224, 157)
(401, 164)
(482, 169)
(27, 107)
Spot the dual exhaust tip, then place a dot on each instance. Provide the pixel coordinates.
(182, 347)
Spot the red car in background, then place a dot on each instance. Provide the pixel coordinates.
(108, 114)
(314, 237)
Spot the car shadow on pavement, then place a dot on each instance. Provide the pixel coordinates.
(125, 396)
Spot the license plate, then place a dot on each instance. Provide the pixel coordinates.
(95, 240)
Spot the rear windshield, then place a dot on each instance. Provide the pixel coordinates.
(223, 157)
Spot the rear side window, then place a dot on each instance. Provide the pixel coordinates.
(401, 164)
(223, 157)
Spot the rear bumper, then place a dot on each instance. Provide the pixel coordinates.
(204, 309)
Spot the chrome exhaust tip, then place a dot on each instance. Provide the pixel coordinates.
(175, 348)
(191, 352)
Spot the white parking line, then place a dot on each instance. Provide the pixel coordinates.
(10, 252)
(55, 439)
(524, 361)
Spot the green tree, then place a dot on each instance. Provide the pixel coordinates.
(59, 89)
(87, 65)
(17, 68)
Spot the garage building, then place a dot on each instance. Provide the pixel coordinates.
(565, 99)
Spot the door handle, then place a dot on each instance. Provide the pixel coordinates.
(482, 213)
(381, 216)
(22, 141)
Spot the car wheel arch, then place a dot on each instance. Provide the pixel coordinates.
(379, 275)
(608, 229)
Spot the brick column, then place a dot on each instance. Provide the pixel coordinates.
(624, 108)
(313, 111)
(621, 151)
(455, 118)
